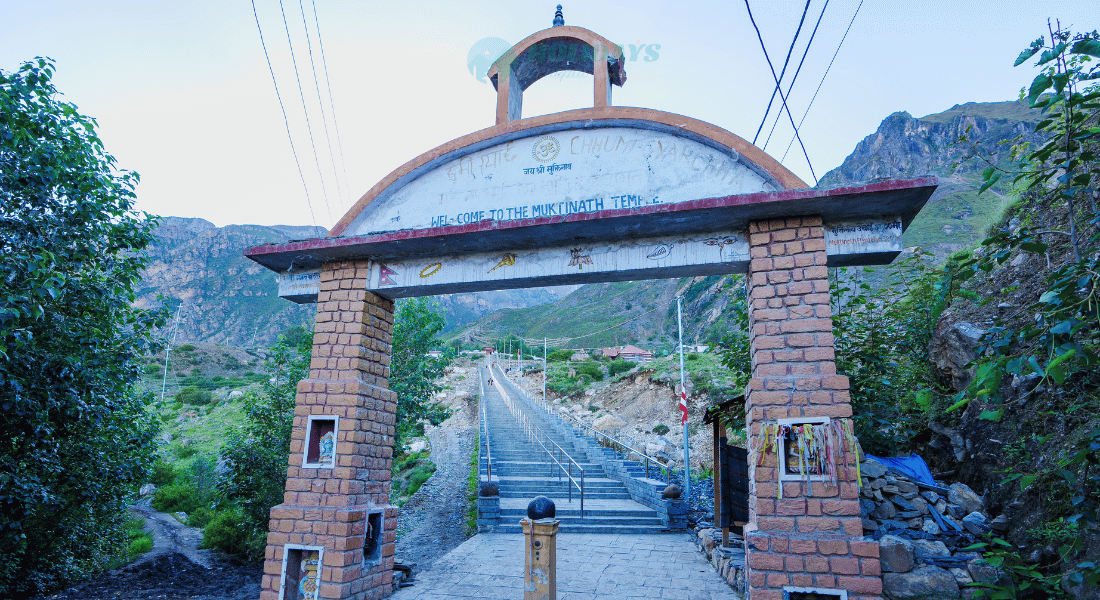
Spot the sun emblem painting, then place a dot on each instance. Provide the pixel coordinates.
(546, 148)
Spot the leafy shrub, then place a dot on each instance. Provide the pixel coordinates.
(692, 356)
(593, 408)
(619, 366)
(559, 355)
(591, 370)
(186, 452)
(141, 545)
(660, 429)
(230, 532)
(195, 396)
(187, 348)
(163, 472)
(151, 369)
(175, 498)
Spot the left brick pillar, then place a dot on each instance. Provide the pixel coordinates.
(335, 507)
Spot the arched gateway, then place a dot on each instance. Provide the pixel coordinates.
(593, 195)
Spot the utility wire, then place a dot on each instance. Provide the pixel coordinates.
(782, 96)
(797, 71)
(309, 128)
(789, 144)
(320, 102)
(283, 108)
(782, 72)
(331, 104)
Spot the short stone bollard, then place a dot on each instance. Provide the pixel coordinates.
(540, 531)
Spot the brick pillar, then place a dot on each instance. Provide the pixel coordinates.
(332, 507)
(811, 535)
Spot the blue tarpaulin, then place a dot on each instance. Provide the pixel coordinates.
(912, 465)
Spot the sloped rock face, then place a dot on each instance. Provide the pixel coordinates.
(904, 146)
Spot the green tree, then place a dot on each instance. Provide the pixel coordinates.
(413, 374)
(256, 455)
(75, 440)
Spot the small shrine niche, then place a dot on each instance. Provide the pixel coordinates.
(320, 448)
(372, 544)
(301, 572)
(800, 593)
(806, 449)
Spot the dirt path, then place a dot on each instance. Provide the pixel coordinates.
(433, 521)
(169, 535)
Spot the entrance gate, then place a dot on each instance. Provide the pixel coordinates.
(593, 195)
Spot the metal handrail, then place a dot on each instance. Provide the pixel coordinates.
(485, 427)
(627, 449)
(535, 434)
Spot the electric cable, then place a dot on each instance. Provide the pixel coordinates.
(283, 108)
(783, 72)
(320, 102)
(782, 96)
(797, 71)
(309, 128)
(791, 143)
(331, 104)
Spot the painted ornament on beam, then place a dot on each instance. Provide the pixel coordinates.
(508, 261)
(430, 270)
(661, 251)
(579, 260)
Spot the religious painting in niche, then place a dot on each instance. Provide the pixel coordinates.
(320, 450)
(301, 573)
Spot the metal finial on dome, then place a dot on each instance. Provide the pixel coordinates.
(558, 18)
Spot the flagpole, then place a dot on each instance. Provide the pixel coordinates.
(683, 403)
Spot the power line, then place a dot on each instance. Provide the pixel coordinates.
(283, 108)
(301, 93)
(782, 96)
(789, 144)
(320, 102)
(783, 72)
(332, 105)
(797, 71)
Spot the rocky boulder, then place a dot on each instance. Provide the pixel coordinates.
(924, 583)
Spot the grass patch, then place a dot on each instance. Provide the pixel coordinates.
(472, 489)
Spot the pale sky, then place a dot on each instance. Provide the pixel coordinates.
(183, 95)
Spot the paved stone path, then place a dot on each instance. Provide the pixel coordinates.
(590, 566)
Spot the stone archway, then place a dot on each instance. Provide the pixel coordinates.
(592, 195)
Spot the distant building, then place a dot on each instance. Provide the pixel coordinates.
(435, 353)
(631, 353)
(700, 348)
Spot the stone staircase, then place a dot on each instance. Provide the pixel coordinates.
(523, 470)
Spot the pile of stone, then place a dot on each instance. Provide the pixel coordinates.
(923, 532)
(728, 560)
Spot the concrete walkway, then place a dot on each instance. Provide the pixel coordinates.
(590, 567)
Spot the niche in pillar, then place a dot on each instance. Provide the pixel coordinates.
(801, 593)
(372, 544)
(301, 572)
(807, 448)
(320, 448)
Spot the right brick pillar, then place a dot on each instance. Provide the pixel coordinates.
(807, 534)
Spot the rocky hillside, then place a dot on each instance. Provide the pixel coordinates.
(230, 300)
(956, 217)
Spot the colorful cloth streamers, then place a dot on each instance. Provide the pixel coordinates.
(812, 448)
